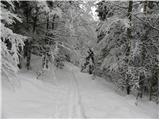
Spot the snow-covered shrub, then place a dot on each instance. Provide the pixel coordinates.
(59, 61)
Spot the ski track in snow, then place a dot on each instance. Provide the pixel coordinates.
(68, 93)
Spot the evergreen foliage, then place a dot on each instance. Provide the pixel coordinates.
(128, 48)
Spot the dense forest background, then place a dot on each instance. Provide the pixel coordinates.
(124, 38)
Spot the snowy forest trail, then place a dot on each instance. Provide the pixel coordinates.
(68, 93)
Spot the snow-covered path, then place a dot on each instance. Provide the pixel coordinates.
(68, 93)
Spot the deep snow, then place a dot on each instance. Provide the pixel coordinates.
(68, 93)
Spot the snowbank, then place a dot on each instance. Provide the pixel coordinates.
(68, 93)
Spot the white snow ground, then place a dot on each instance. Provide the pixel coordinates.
(71, 94)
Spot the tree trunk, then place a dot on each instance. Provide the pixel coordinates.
(142, 78)
(34, 24)
(20, 57)
(47, 26)
(150, 90)
(35, 20)
(29, 43)
(130, 19)
(53, 22)
(45, 54)
(28, 53)
(129, 43)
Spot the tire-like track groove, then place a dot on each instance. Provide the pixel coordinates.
(79, 105)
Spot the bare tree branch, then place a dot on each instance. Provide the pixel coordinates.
(147, 23)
